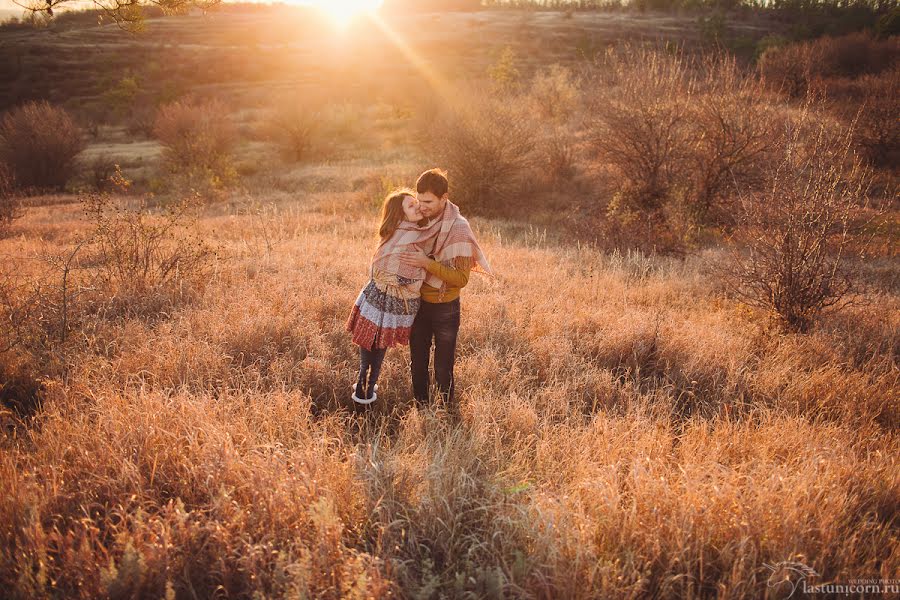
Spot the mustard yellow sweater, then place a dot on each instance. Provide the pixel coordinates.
(456, 279)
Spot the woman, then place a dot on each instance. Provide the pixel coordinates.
(385, 309)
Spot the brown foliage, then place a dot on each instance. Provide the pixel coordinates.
(39, 143)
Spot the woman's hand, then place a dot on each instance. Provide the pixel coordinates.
(415, 258)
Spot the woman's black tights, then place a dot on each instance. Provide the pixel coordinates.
(370, 362)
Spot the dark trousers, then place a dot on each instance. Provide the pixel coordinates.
(438, 323)
(370, 362)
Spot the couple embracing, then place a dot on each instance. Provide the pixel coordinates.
(425, 254)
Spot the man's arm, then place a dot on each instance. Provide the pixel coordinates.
(457, 278)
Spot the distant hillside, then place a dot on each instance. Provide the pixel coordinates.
(238, 51)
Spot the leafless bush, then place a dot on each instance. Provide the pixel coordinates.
(39, 143)
(795, 234)
(100, 172)
(794, 69)
(786, 69)
(488, 150)
(557, 153)
(871, 104)
(728, 144)
(296, 126)
(641, 122)
(680, 134)
(43, 311)
(10, 208)
(144, 262)
(198, 140)
(131, 264)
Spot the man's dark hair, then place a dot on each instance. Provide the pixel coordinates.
(434, 181)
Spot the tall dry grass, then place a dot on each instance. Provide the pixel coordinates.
(624, 432)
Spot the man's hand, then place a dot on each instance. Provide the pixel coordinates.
(415, 258)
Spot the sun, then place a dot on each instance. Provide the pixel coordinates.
(343, 12)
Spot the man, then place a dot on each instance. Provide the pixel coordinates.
(456, 254)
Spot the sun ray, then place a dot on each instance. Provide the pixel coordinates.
(431, 75)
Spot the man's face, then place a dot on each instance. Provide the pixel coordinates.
(430, 205)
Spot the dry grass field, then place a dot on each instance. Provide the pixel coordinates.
(624, 433)
(176, 417)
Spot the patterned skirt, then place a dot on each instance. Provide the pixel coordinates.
(380, 319)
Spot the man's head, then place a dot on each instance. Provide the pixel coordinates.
(431, 190)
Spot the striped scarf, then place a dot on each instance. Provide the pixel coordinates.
(386, 261)
(456, 247)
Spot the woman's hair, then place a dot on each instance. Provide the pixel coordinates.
(392, 213)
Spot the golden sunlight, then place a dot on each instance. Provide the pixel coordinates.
(342, 12)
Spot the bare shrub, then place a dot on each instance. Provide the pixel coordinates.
(39, 143)
(43, 311)
(852, 55)
(680, 135)
(641, 122)
(730, 137)
(877, 130)
(794, 68)
(131, 263)
(558, 157)
(101, 171)
(794, 235)
(786, 68)
(198, 140)
(144, 263)
(296, 126)
(871, 103)
(488, 151)
(10, 209)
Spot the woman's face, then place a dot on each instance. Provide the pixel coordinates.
(411, 210)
